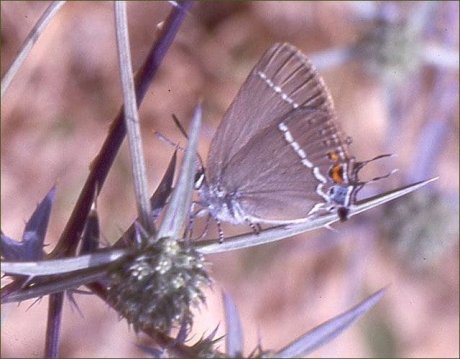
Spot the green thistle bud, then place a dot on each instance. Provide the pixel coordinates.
(156, 287)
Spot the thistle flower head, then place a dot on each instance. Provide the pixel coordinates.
(157, 286)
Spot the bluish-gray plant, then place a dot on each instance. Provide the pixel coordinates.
(153, 276)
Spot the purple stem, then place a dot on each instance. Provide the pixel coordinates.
(70, 236)
(54, 325)
(101, 165)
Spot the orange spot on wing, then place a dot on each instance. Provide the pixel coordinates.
(336, 173)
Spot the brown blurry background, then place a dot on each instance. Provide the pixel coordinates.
(58, 109)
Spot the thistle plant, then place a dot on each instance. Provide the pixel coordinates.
(154, 276)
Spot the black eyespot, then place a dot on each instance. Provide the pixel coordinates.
(342, 212)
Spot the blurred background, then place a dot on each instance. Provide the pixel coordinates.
(392, 69)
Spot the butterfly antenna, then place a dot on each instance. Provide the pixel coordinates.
(168, 141)
(184, 133)
(179, 126)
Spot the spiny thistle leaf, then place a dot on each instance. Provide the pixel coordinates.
(329, 330)
(234, 336)
(31, 246)
(280, 232)
(178, 211)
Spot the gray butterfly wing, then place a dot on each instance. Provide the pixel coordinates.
(271, 179)
(281, 81)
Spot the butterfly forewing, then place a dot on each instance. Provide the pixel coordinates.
(280, 82)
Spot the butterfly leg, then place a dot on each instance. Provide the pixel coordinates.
(256, 228)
